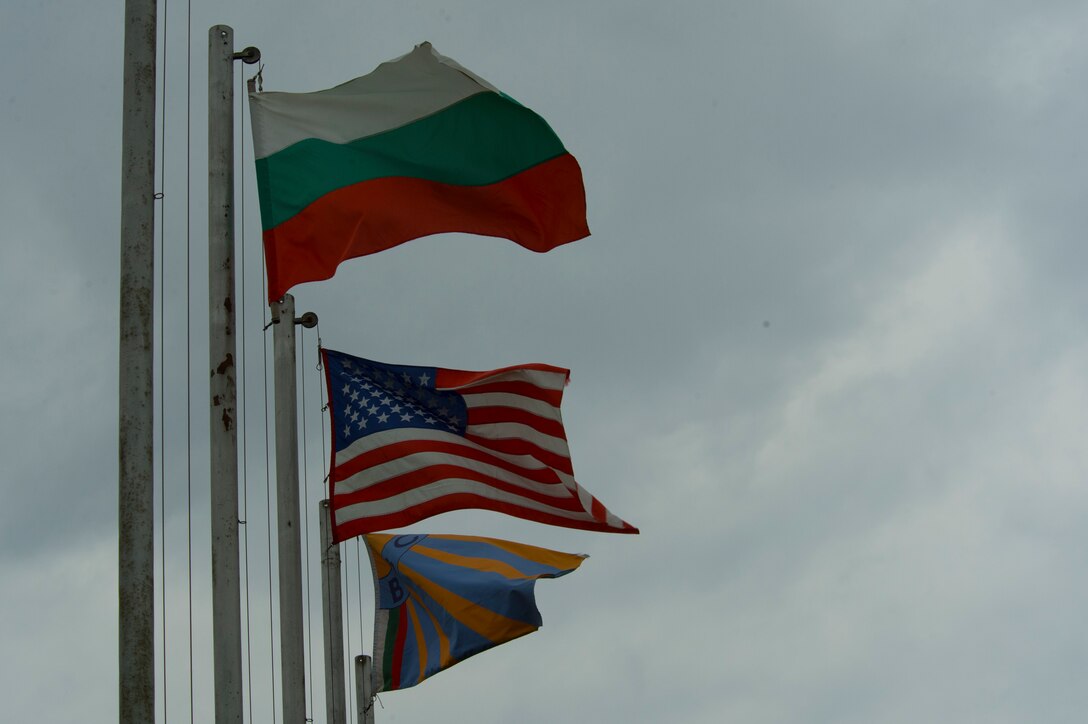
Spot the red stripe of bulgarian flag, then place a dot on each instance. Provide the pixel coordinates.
(420, 146)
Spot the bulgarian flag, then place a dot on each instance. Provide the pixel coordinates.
(417, 147)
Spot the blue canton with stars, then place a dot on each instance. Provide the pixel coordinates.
(368, 397)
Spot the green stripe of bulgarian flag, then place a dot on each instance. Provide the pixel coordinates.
(444, 148)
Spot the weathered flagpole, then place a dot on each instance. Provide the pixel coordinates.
(222, 353)
(364, 686)
(332, 620)
(292, 654)
(136, 414)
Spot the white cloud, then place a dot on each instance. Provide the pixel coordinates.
(60, 630)
(925, 321)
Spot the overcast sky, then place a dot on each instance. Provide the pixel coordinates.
(827, 341)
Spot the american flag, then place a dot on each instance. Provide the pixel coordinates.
(411, 442)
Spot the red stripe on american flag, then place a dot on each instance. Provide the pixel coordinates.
(448, 503)
(516, 387)
(397, 450)
(598, 510)
(433, 473)
(514, 446)
(453, 379)
(490, 415)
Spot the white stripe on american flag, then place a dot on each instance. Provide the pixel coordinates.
(415, 462)
(585, 498)
(381, 439)
(518, 402)
(517, 431)
(450, 486)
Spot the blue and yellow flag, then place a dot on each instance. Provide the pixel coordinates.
(443, 598)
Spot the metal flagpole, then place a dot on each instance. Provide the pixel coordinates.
(222, 352)
(333, 621)
(136, 409)
(365, 688)
(292, 654)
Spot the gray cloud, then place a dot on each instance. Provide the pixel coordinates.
(826, 340)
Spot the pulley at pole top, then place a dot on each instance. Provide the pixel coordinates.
(249, 56)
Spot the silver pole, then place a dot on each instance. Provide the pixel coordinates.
(136, 407)
(333, 621)
(226, 595)
(364, 686)
(292, 653)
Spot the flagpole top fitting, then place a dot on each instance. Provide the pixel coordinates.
(308, 320)
(249, 56)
